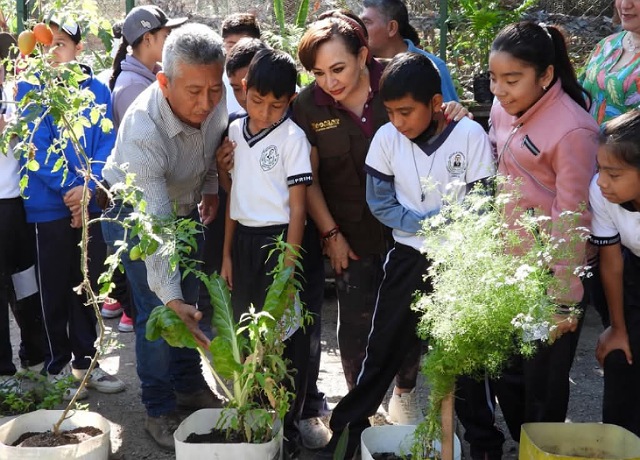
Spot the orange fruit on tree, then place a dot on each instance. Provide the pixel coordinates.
(43, 34)
(26, 42)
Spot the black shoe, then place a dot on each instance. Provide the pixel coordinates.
(199, 399)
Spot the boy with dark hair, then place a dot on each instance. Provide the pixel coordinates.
(237, 26)
(237, 66)
(53, 207)
(414, 163)
(269, 177)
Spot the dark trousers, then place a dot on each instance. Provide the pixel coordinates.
(312, 297)
(17, 258)
(621, 404)
(393, 342)
(121, 292)
(70, 326)
(529, 390)
(251, 265)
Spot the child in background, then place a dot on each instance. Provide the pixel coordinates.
(270, 174)
(414, 163)
(53, 206)
(236, 67)
(615, 200)
(546, 144)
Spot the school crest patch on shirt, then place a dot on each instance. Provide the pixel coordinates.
(269, 158)
(456, 164)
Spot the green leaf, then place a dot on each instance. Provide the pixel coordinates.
(223, 359)
(303, 11)
(33, 165)
(280, 295)
(223, 319)
(278, 9)
(164, 322)
(58, 164)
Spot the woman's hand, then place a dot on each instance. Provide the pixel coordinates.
(339, 252)
(613, 339)
(454, 111)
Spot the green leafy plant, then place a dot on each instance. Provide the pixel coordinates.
(31, 391)
(492, 293)
(246, 357)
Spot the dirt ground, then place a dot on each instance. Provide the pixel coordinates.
(124, 410)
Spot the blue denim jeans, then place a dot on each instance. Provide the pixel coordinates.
(162, 369)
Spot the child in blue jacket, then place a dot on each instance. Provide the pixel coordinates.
(53, 207)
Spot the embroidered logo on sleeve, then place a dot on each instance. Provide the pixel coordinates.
(325, 124)
(456, 164)
(269, 158)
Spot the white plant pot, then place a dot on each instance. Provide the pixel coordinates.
(201, 422)
(396, 439)
(96, 448)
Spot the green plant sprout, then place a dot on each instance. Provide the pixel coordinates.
(493, 294)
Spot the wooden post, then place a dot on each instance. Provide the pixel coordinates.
(446, 449)
(444, 15)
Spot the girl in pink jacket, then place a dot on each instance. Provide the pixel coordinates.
(546, 144)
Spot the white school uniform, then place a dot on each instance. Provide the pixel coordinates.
(265, 166)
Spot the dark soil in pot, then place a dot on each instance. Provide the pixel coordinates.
(49, 439)
(215, 436)
(390, 456)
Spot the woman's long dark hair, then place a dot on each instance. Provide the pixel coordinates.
(541, 47)
(121, 54)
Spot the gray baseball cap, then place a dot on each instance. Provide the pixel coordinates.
(142, 19)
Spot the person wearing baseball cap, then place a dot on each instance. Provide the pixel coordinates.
(145, 29)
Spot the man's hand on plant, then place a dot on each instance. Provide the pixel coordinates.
(208, 208)
(224, 155)
(613, 338)
(190, 316)
(339, 252)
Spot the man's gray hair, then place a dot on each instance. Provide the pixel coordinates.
(191, 44)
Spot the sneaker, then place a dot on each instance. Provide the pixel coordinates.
(126, 323)
(111, 308)
(201, 399)
(65, 377)
(35, 370)
(314, 433)
(161, 429)
(100, 380)
(9, 384)
(404, 410)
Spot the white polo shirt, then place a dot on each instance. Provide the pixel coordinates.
(265, 166)
(459, 156)
(9, 165)
(613, 223)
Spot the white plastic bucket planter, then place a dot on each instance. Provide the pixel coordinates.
(396, 439)
(96, 448)
(201, 422)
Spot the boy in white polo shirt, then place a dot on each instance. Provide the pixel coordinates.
(269, 178)
(413, 163)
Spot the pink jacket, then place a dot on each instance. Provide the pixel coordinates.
(549, 155)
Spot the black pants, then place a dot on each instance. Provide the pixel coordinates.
(312, 297)
(251, 265)
(17, 258)
(529, 390)
(213, 244)
(393, 342)
(621, 405)
(70, 326)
